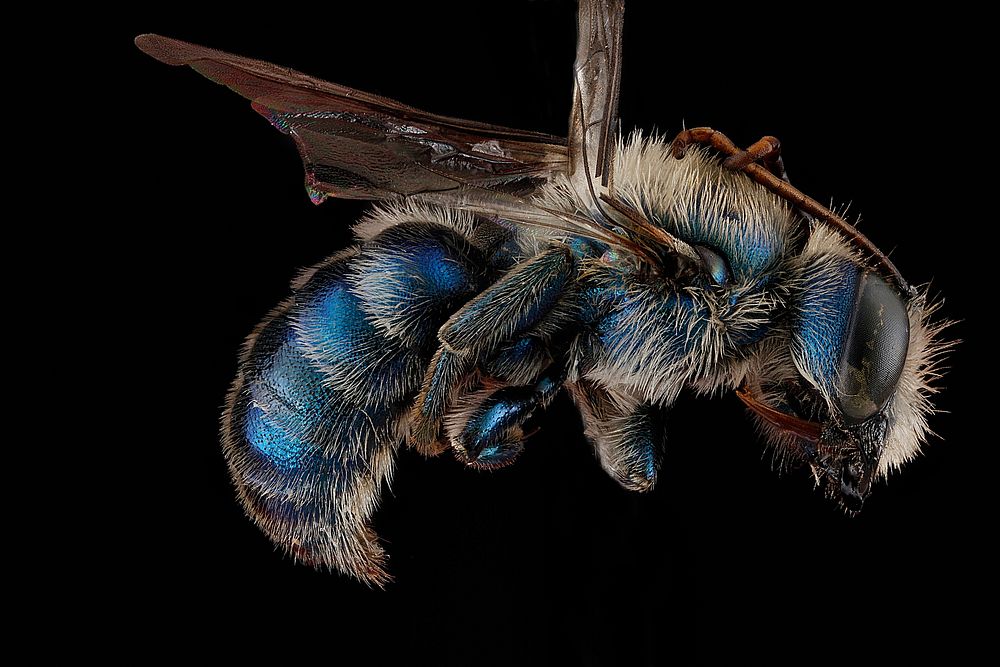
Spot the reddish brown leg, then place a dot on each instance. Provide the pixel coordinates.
(702, 135)
(766, 150)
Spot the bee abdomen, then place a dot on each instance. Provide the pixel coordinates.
(316, 412)
(307, 462)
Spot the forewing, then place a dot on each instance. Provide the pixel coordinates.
(358, 145)
(594, 120)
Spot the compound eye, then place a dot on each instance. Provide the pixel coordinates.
(715, 265)
(873, 358)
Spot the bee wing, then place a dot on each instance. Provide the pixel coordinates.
(358, 145)
(593, 126)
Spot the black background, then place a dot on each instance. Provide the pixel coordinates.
(547, 559)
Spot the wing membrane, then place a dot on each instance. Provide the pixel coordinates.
(358, 145)
(594, 120)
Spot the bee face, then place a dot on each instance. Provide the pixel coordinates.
(850, 394)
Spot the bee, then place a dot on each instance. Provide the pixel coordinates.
(501, 267)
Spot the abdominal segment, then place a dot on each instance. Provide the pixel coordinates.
(325, 383)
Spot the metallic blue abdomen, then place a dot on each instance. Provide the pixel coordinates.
(315, 413)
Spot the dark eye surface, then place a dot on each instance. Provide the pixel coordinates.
(872, 360)
(715, 264)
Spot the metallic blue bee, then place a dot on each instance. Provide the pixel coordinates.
(502, 266)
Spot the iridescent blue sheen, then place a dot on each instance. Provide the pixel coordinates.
(546, 388)
(650, 461)
(547, 299)
(413, 277)
(716, 266)
(750, 248)
(596, 300)
(675, 337)
(823, 316)
(372, 369)
(338, 328)
(282, 403)
(290, 388)
(505, 409)
(505, 254)
(490, 453)
(488, 425)
(446, 275)
(499, 454)
(754, 256)
(284, 452)
(425, 267)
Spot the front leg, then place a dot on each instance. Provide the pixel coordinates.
(627, 434)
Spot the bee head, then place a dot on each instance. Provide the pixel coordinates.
(848, 391)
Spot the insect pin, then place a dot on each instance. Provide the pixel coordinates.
(502, 267)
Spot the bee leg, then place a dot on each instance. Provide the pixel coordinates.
(447, 375)
(525, 296)
(487, 431)
(627, 434)
(529, 297)
(519, 363)
(765, 151)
